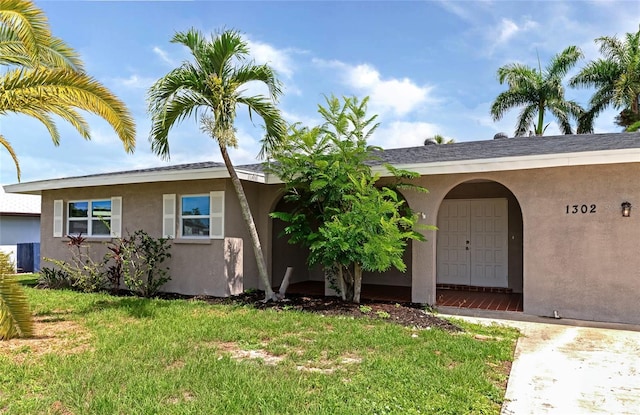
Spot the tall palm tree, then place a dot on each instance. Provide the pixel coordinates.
(538, 91)
(210, 89)
(45, 77)
(616, 76)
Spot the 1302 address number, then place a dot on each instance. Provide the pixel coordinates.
(574, 209)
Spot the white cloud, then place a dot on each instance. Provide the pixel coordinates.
(164, 56)
(458, 8)
(135, 81)
(400, 96)
(507, 29)
(278, 59)
(404, 134)
(305, 120)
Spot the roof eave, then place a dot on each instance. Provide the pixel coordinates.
(36, 188)
(426, 168)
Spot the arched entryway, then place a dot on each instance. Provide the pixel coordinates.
(479, 248)
(391, 285)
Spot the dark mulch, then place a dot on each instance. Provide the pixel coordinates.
(405, 314)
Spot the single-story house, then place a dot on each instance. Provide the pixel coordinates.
(554, 218)
(19, 225)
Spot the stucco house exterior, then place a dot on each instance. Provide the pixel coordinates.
(541, 216)
(19, 222)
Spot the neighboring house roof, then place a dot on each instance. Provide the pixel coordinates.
(13, 204)
(463, 157)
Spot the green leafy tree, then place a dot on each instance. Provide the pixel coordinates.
(45, 77)
(210, 89)
(538, 91)
(616, 77)
(15, 315)
(349, 223)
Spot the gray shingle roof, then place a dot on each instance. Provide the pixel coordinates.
(506, 147)
(511, 147)
(175, 167)
(469, 150)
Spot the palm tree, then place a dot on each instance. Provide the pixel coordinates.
(210, 88)
(438, 139)
(46, 78)
(616, 77)
(538, 91)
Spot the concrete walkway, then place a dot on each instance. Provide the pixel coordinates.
(570, 367)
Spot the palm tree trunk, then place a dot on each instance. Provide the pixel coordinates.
(251, 226)
(540, 126)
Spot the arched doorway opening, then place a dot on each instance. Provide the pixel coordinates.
(479, 248)
(391, 285)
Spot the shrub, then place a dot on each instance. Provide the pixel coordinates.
(54, 278)
(142, 258)
(84, 273)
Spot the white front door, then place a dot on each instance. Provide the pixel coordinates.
(472, 242)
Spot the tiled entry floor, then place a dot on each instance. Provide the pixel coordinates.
(477, 299)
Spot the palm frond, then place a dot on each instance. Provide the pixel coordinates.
(260, 73)
(564, 61)
(4, 143)
(525, 120)
(28, 23)
(275, 127)
(64, 89)
(15, 316)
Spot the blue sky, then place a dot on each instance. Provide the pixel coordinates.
(429, 68)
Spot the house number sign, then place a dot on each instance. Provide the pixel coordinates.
(581, 209)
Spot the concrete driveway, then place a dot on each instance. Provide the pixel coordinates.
(571, 367)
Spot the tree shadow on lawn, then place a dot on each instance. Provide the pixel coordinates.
(136, 307)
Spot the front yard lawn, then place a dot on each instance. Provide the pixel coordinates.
(98, 354)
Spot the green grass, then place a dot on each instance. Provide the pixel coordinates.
(28, 279)
(123, 355)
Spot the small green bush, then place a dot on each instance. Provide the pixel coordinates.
(142, 258)
(54, 278)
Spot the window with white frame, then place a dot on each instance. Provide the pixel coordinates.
(195, 216)
(94, 217)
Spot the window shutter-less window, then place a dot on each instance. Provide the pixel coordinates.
(169, 216)
(116, 217)
(57, 218)
(217, 215)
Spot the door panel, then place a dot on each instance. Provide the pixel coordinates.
(489, 223)
(453, 256)
(472, 242)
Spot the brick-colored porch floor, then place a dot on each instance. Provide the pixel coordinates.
(444, 297)
(477, 299)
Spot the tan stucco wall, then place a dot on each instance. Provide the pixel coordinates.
(217, 267)
(585, 266)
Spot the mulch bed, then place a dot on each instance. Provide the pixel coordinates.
(405, 314)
